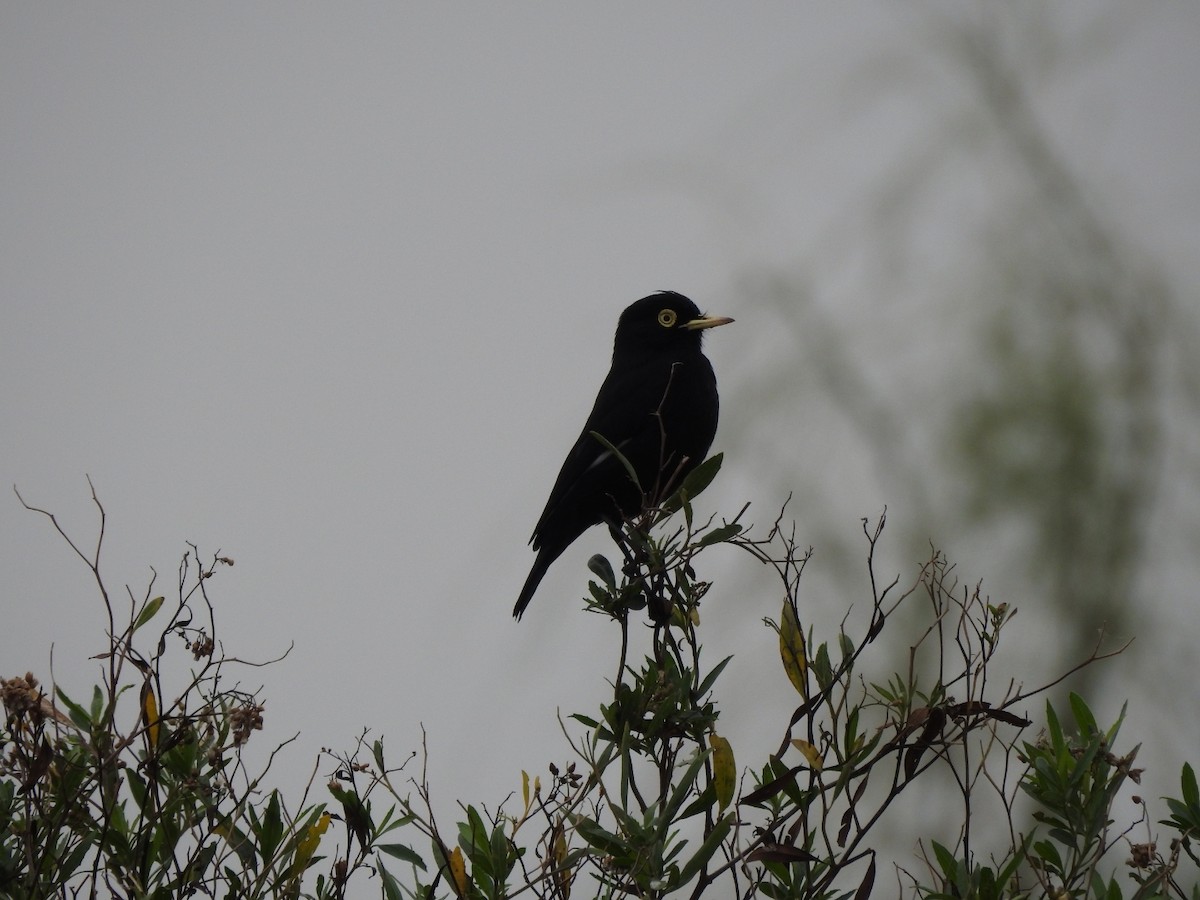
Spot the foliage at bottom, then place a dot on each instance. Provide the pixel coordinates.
(130, 793)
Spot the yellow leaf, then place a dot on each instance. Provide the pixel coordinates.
(791, 650)
(525, 788)
(309, 843)
(562, 877)
(150, 715)
(724, 770)
(458, 870)
(811, 753)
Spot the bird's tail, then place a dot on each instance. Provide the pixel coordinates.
(540, 565)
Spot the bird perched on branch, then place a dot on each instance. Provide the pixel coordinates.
(657, 407)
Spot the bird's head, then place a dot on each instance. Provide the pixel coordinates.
(665, 319)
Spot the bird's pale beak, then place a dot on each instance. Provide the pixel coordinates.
(706, 322)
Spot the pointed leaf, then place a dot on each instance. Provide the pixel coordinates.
(237, 841)
(612, 448)
(711, 678)
(946, 860)
(792, 651)
(724, 770)
(458, 871)
(1189, 789)
(779, 784)
(270, 833)
(599, 837)
(683, 788)
(391, 887)
(868, 882)
(150, 715)
(148, 612)
(377, 752)
(308, 844)
(77, 713)
(694, 483)
(780, 853)
(402, 852)
(702, 476)
(720, 534)
(811, 753)
(708, 848)
(703, 803)
(1083, 716)
(97, 703)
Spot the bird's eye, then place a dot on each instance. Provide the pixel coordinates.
(667, 317)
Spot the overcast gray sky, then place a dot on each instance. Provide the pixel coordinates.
(330, 288)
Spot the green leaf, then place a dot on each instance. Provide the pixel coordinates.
(822, 667)
(600, 838)
(1191, 794)
(695, 482)
(1049, 854)
(377, 752)
(702, 803)
(97, 710)
(602, 569)
(1109, 890)
(685, 785)
(702, 476)
(500, 863)
(711, 844)
(237, 841)
(391, 887)
(846, 643)
(403, 853)
(711, 678)
(72, 861)
(612, 448)
(356, 813)
(720, 534)
(270, 833)
(1083, 716)
(952, 870)
(137, 788)
(149, 611)
(1057, 744)
(391, 822)
(77, 713)
(1018, 858)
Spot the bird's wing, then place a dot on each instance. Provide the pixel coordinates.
(591, 473)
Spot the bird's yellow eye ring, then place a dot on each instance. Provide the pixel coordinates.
(667, 318)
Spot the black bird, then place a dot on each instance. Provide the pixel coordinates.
(658, 407)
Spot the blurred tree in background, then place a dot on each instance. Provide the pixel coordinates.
(1009, 359)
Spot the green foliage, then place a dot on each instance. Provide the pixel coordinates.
(650, 802)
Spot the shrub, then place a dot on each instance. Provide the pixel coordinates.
(649, 800)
